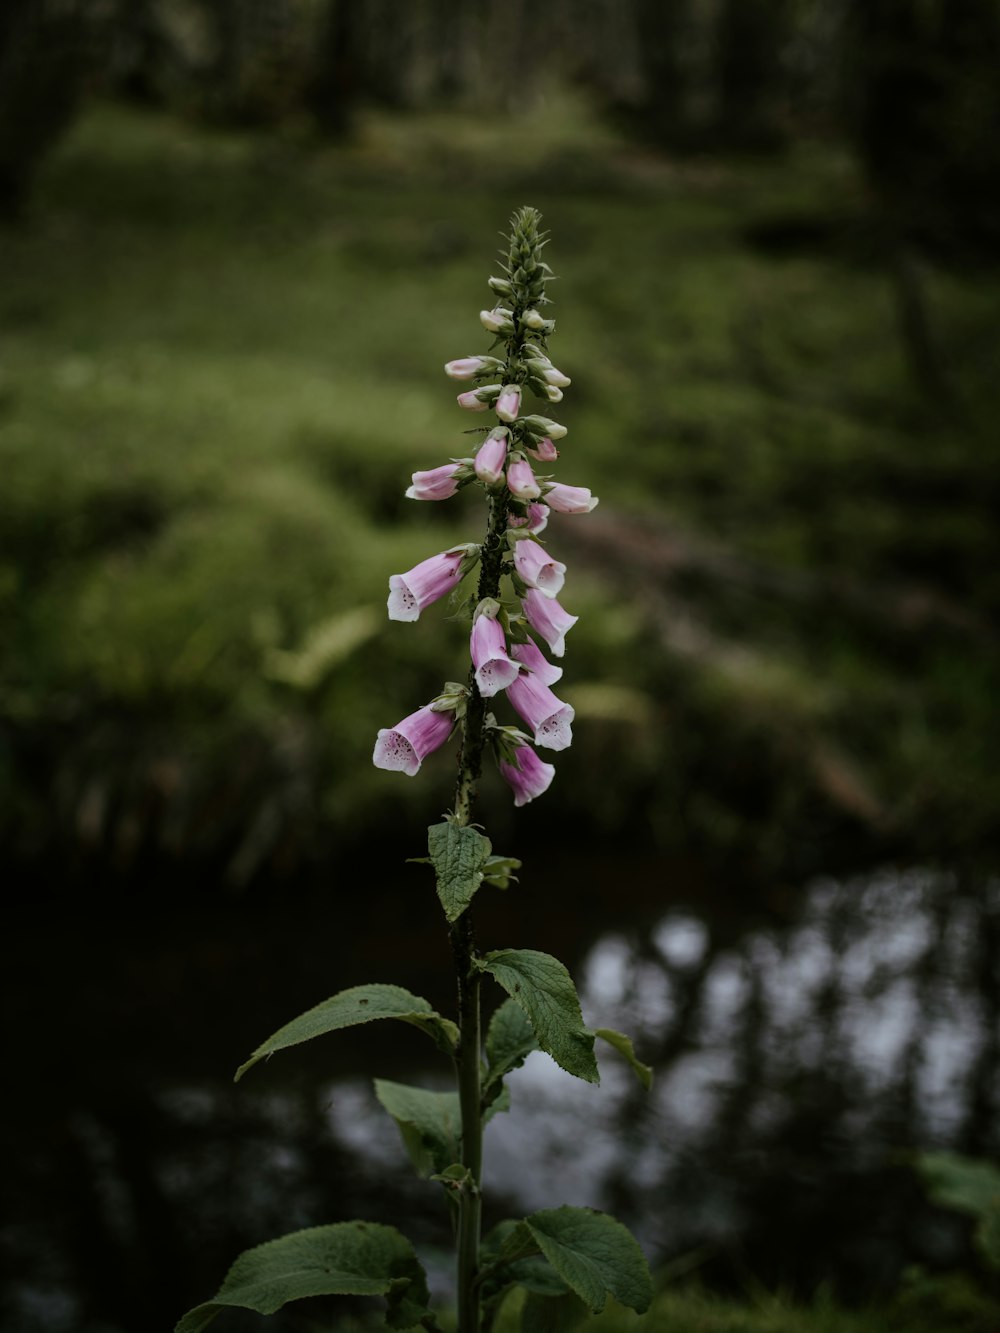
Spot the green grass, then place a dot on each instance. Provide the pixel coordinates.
(220, 360)
(950, 1304)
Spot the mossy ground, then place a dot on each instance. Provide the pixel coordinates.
(221, 360)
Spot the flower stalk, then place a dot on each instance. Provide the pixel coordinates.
(591, 1256)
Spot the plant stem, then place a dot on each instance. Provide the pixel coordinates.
(463, 949)
(470, 1102)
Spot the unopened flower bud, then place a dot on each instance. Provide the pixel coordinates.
(544, 450)
(570, 499)
(545, 370)
(531, 319)
(497, 321)
(501, 286)
(468, 367)
(553, 393)
(509, 402)
(478, 400)
(438, 484)
(521, 481)
(491, 458)
(544, 426)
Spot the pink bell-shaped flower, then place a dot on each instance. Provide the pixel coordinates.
(535, 568)
(488, 644)
(548, 717)
(409, 593)
(403, 748)
(528, 775)
(547, 618)
(533, 659)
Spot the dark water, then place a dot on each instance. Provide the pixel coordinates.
(801, 1052)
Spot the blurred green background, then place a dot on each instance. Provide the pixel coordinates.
(243, 239)
(239, 240)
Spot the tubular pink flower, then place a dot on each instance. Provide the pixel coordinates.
(529, 776)
(404, 748)
(545, 451)
(465, 368)
(534, 521)
(570, 499)
(471, 401)
(490, 460)
(521, 481)
(536, 569)
(548, 717)
(437, 484)
(533, 659)
(494, 669)
(409, 593)
(547, 618)
(538, 516)
(509, 402)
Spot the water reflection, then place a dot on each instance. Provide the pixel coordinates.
(794, 1064)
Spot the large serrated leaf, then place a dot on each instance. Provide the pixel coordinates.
(593, 1253)
(459, 854)
(623, 1045)
(542, 987)
(342, 1259)
(509, 1041)
(430, 1123)
(360, 1004)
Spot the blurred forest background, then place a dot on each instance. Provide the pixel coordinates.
(244, 238)
(239, 240)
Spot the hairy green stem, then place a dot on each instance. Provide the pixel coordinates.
(463, 949)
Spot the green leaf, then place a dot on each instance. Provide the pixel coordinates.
(458, 854)
(542, 987)
(594, 1255)
(430, 1123)
(623, 1045)
(343, 1259)
(509, 1041)
(969, 1185)
(502, 1269)
(360, 1004)
(499, 871)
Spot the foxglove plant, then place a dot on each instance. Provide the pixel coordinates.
(567, 1260)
